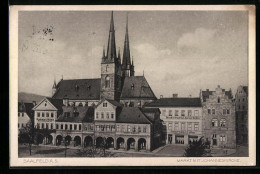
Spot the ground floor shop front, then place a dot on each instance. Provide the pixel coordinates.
(182, 139)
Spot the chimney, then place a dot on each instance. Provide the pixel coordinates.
(34, 103)
(161, 96)
(174, 95)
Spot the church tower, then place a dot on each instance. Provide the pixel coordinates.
(54, 87)
(127, 68)
(111, 68)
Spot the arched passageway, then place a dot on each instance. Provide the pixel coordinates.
(58, 140)
(141, 144)
(110, 142)
(88, 141)
(120, 143)
(130, 144)
(77, 141)
(49, 139)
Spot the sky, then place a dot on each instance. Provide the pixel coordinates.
(178, 51)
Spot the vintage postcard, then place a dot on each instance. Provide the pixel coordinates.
(132, 86)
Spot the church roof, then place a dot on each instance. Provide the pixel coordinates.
(136, 87)
(175, 102)
(58, 103)
(79, 89)
(85, 114)
(132, 115)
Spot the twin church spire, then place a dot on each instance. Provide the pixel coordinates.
(126, 66)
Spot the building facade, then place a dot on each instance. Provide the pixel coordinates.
(182, 119)
(241, 101)
(25, 114)
(219, 118)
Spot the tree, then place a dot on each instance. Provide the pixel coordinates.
(93, 151)
(197, 149)
(26, 135)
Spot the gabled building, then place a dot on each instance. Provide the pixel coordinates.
(241, 101)
(181, 119)
(219, 118)
(25, 114)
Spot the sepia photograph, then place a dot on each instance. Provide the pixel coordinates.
(139, 84)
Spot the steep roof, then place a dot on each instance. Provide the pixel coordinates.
(58, 103)
(136, 87)
(85, 89)
(27, 108)
(206, 94)
(175, 102)
(85, 114)
(245, 88)
(132, 115)
(150, 110)
(115, 103)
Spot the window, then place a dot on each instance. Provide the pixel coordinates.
(144, 129)
(189, 112)
(47, 114)
(223, 122)
(18, 125)
(107, 115)
(170, 112)
(61, 126)
(47, 126)
(182, 126)
(176, 126)
(214, 136)
(96, 115)
(176, 113)
(224, 111)
(214, 123)
(123, 128)
(117, 128)
(228, 110)
(80, 127)
(132, 86)
(22, 125)
(170, 126)
(42, 125)
(112, 115)
(139, 129)
(213, 112)
(243, 99)
(189, 126)
(80, 104)
(102, 115)
(70, 126)
(57, 126)
(209, 111)
(218, 100)
(182, 112)
(104, 104)
(196, 113)
(66, 126)
(97, 127)
(107, 82)
(18, 114)
(128, 129)
(75, 127)
(164, 112)
(243, 107)
(134, 129)
(42, 114)
(52, 114)
(75, 114)
(38, 125)
(222, 138)
(22, 114)
(38, 114)
(196, 126)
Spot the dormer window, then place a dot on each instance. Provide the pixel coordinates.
(104, 104)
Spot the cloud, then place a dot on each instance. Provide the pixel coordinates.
(197, 42)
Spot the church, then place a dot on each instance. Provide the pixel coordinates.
(118, 81)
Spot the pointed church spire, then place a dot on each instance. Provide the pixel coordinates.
(111, 47)
(126, 54)
(54, 84)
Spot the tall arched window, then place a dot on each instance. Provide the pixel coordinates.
(107, 82)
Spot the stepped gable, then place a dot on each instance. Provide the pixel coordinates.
(175, 102)
(136, 87)
(85, 114)
(78, 89)
(132, 115)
